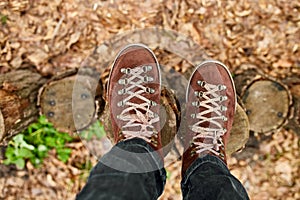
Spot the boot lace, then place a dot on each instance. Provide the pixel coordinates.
(210, 136)
(137, 115)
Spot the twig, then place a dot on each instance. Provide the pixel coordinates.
(57, 27)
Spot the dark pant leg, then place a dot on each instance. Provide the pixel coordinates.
(131, 170)
(209, 178)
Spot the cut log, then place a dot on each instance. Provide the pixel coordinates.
(295, 90)
(239, 134)
(244, 79)
(71, 100)
(267, 105)
(18, 96)
(293, 83)
(267, 101)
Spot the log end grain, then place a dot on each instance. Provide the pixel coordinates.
(70, 103)
(267, 105)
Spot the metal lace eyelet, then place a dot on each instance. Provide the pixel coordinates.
(153, 103)
(199, 93)
(154, 142)
(221, 154)
(221, 87)
(153, 115)
(123, 81)
(223, 108)
(122, 91)
(201, 83)
(121, 134)
(196, 103)
(147, 68)
(126, 70)
(193, 115)
(149, 90)
(224, 118)
(223, 98)
(191, 144)
(148, 79)
(193, 152)
(121, 103)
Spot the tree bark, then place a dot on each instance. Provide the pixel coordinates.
(18, 95)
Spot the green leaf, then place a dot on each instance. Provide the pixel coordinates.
(28, 146)
(51, 142)
(101, 131)
(34, 143)
(35, 126)
(19, 141)
(67, 137)
(49, 130)
(42, 147)
(60, 141)
(42, 154)
(95, 129)
(29, 129)
(168, 174)
(85, 135)
(63, 154)
(36, 161)
(20, 163)
(43, 121)
(9, 153)
(4, 19)
(7, 162)
(25, 153)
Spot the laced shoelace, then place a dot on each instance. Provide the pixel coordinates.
(142, 117)
(210, 99)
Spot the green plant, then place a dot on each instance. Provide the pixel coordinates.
(34, 143)
(85, 169)
(168, 174)
(96, 129)
(3, 19)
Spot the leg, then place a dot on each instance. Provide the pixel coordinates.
(136, 175)
(209, 178)
(133, 168)
(211, 102)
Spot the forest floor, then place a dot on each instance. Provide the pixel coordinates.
(57, 35)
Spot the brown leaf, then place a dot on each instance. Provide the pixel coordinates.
(74, 38)
(38, 56)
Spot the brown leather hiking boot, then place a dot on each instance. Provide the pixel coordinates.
(211, 102)
(134, 88)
